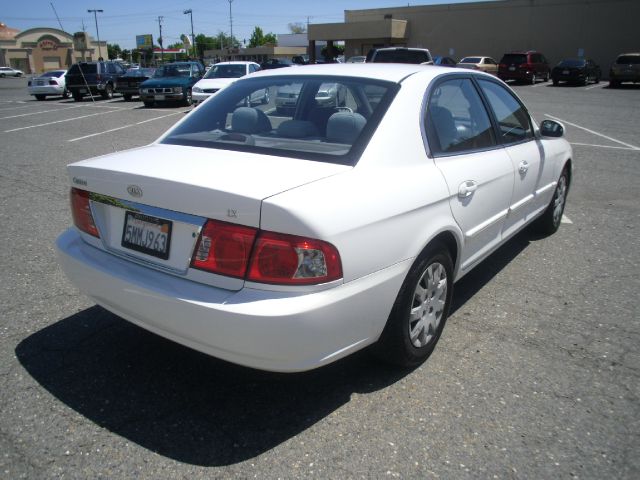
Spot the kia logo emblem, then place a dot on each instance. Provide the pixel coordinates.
(134, 191)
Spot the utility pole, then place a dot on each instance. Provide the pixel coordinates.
(95, 16)
(160, 39)
(193, 38)
(231, 25)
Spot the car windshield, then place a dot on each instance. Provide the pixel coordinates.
(139, 72)
(53, 73)
(173, 70)
(470, 60)
(628, 60)
(514, 58)
(401, 56)
(321, 118)
(226, 71)
(572, 63)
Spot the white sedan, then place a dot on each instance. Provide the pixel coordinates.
(10, 72)
(49, 84)
(287, 242)
(222, 75)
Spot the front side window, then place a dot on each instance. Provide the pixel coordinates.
(312, 117)
(456, 120)
(513, 120)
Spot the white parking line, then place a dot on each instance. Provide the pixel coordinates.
(597, 85)
(565, 219)
(605, 146)
(633, 147)
(38, 113)
(541, 84)
(122, 128)
(16, 108)
(58, 121)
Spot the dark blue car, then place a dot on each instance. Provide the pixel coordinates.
(171, 82)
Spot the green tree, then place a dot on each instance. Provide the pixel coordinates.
(204, 42)
(113, 50)
(259, 38)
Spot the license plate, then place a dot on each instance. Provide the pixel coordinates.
(147, 234)
(512, 69)
(159, 97)
(565, 72)
(83, 90)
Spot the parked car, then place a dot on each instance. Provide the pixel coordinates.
(172, 82)
(265, 242)
(300, 59)
(486, 64)
(357, 59)
(524, 67)
(129, 84)
(10, 72)
(444, 61)
(576, 70)
(329, 94)
(399, 55)
(93, 78)
(277, 63)
(50, 83)
(222, 75)
(626, 68)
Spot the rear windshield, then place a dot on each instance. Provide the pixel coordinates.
(84, 68)
(514, 58)
(226, 71)
(628, 60)
(53, 73)
(572, 63)
(470, 60)
(401, 56)
(321, 118)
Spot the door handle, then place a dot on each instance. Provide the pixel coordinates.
(523, 167)
(467, 188)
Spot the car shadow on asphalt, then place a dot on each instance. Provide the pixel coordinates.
(194, 408)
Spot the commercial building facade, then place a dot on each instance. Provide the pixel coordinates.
(42, 49)
(597, 29)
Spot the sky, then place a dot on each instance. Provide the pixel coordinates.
(122, 20)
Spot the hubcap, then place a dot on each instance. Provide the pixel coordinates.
(559, 199)
(428, 304)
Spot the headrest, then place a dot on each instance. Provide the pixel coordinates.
(344, 127)
(249, 120)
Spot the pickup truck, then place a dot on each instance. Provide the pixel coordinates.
(93, 78)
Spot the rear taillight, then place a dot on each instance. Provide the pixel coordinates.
(502, 65)
(265, 257)
(81, 211)
(53, 82)
(224, 248)
(98, 77)
(292, 260)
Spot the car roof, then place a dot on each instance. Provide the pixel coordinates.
(392, 72)
(235, 62)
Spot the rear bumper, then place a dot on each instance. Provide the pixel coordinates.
(277, 331)
(46, 90)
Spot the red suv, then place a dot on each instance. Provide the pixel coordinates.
(524, 67)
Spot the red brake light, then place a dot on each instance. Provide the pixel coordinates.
(81, 211)
(291, 260)
(224, 248)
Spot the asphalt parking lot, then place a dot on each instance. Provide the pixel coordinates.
(537, 374)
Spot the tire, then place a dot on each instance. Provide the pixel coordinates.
(597, 78)
(41, 97)
(614, 83)
(127, 97)
(65, 93)
(107, 93)
(549, 222)
(148, 104)
(265, 99)
(533, 79)
(555, 82)
(77, 97)
(1, 75)
(188, 98)
(546, 77)
(420, 311)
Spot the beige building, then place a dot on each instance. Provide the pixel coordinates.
(597, 29)
(256, 54)
(38, 50)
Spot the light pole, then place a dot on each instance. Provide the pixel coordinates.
(231, 25)
(193, 38)
(95, 16)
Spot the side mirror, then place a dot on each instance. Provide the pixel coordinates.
(551, 128)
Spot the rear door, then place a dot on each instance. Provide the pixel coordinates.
(478, 171)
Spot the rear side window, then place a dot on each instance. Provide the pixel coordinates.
(456, 119)
(513, 119)
(514, 58)
(84, 68)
